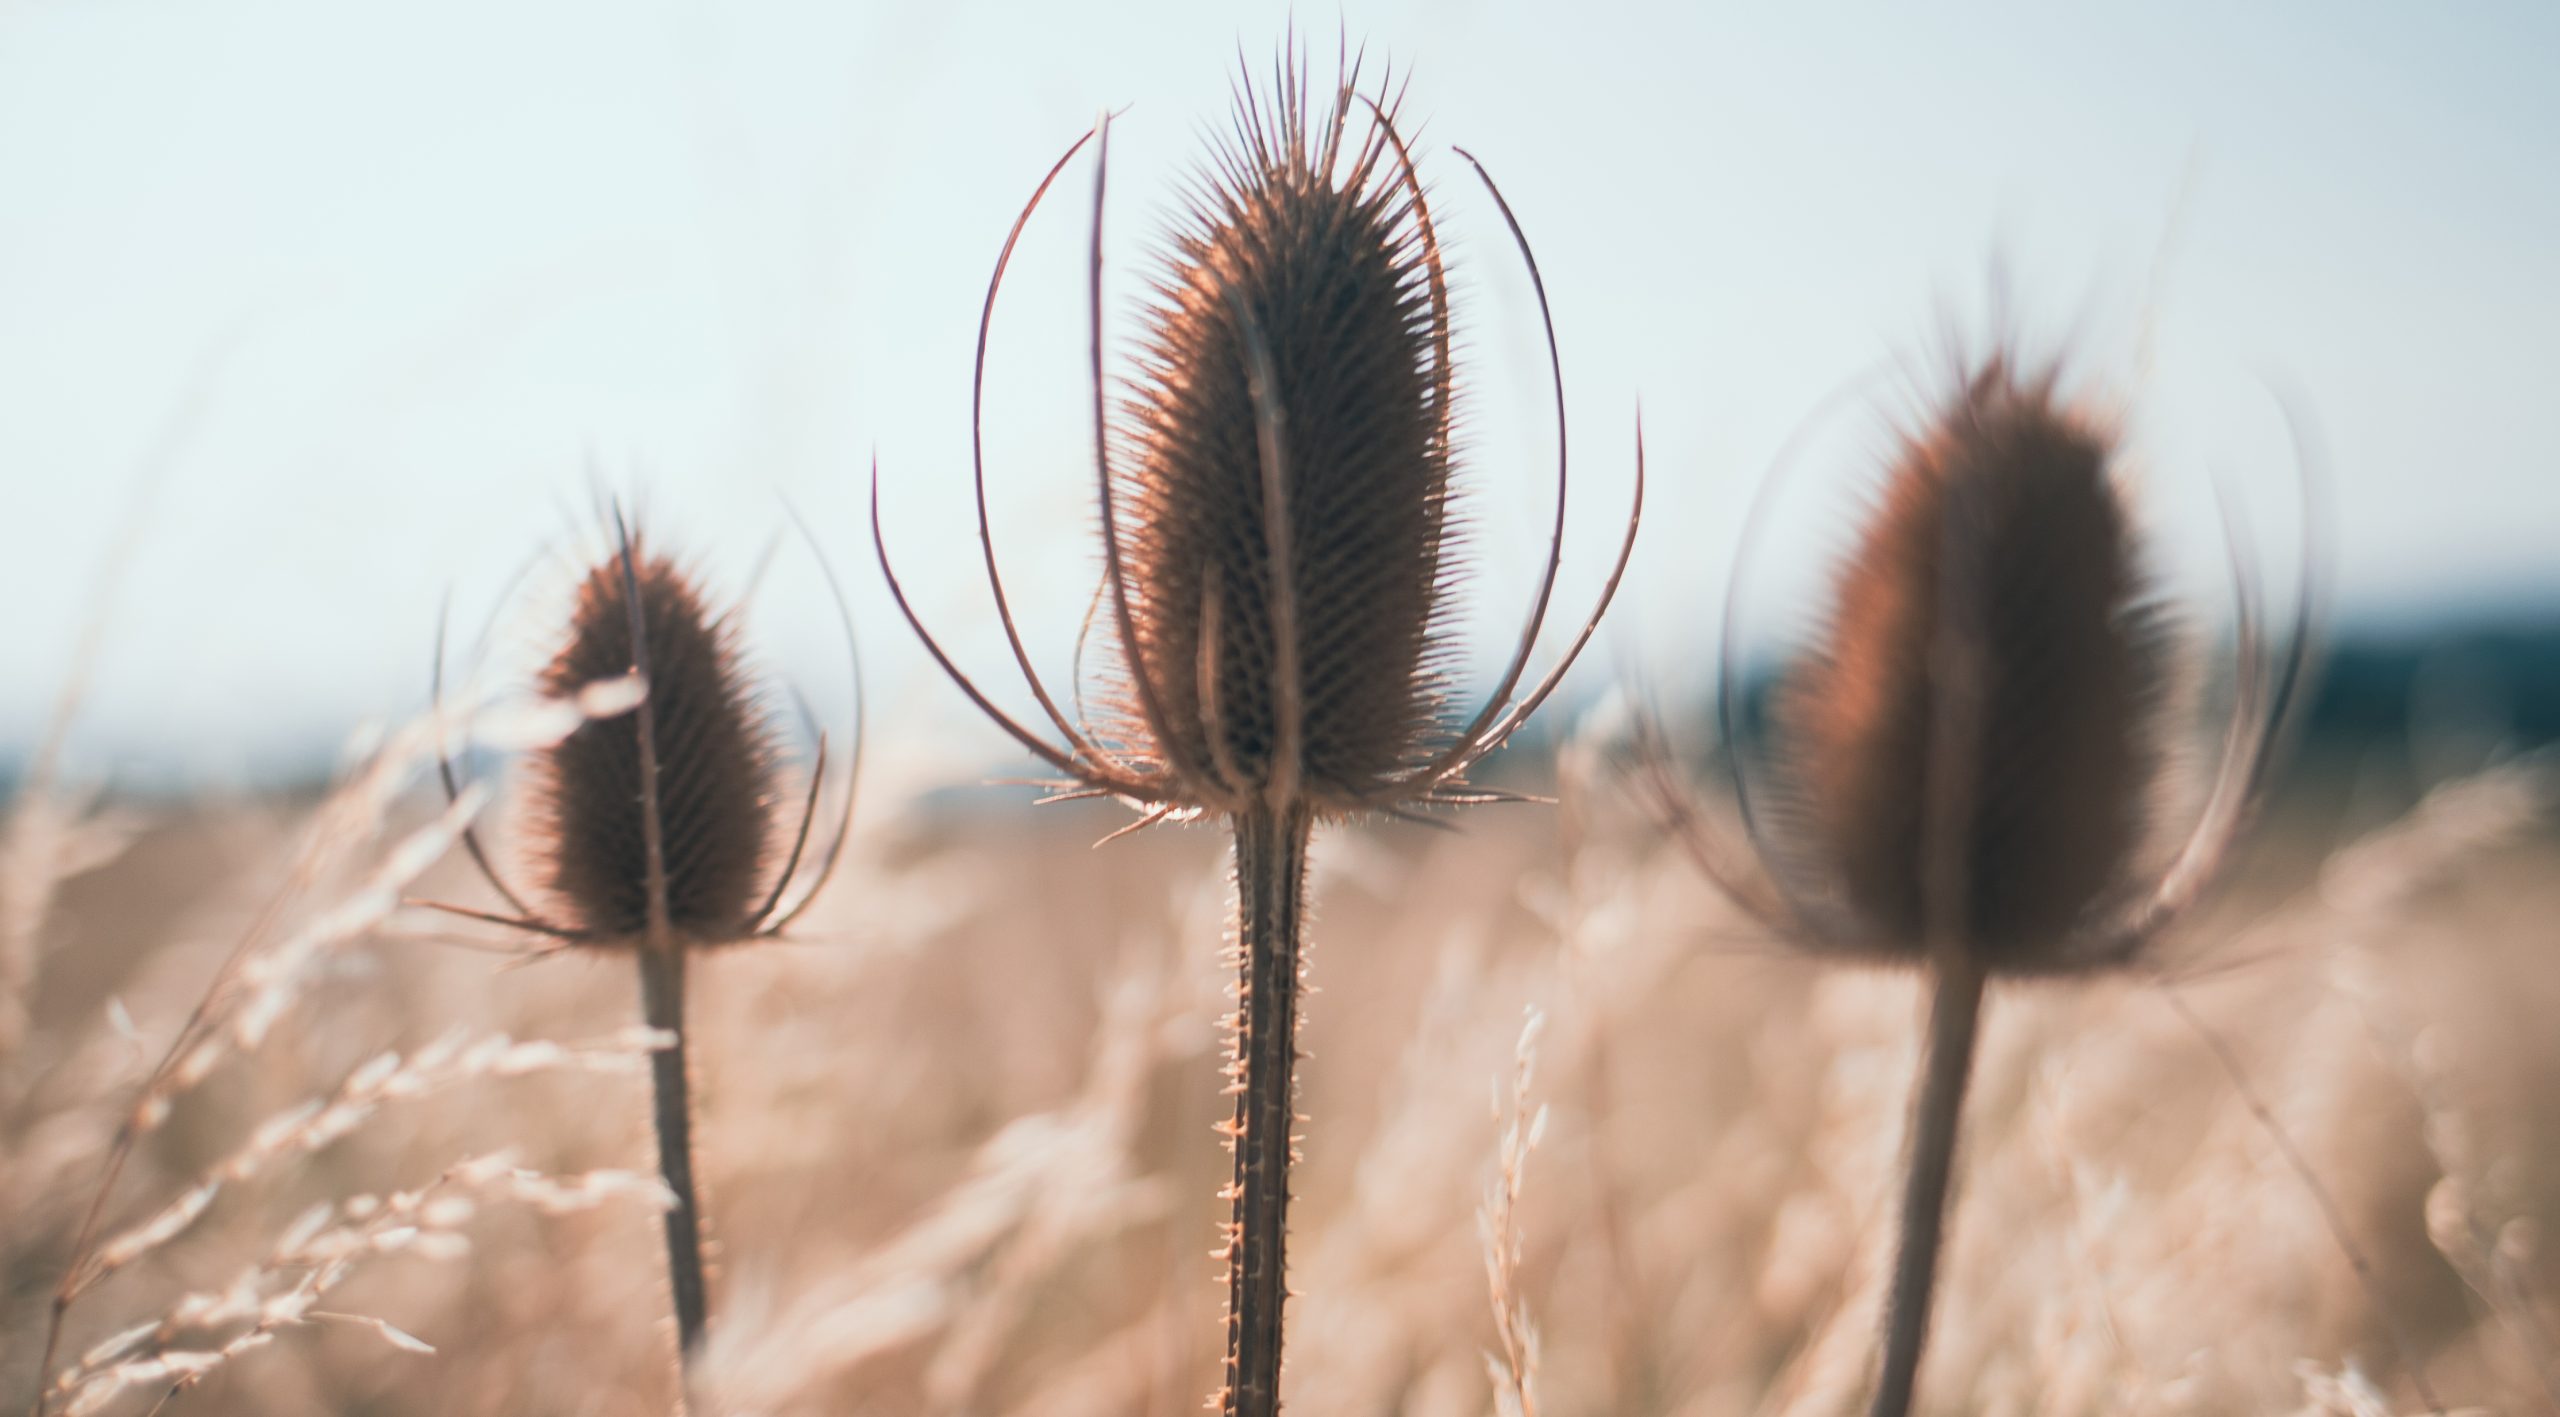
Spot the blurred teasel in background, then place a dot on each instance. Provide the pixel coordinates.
(1968, 769)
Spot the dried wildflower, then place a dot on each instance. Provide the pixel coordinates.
(1276, 542)
(1984, 703)
(1966, 768)
(681, 846)
(656, 831)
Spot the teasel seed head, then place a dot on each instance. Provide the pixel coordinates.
(663, 817)
(1304, 305)
(1278, 535)
(1977, 751)
(1986, 698)
(714, 757)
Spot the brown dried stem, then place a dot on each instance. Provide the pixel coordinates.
(661, 960)
(671, 1115)
(1271, 872)
(1955, 1015)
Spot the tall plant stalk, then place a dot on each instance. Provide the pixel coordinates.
(657, 834)
(1271, 874)
(1937, 1106)
(1274, 501)
(662, 978)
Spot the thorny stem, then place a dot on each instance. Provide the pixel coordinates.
(662, 1008)
(1271, 871)
(1955, 1011)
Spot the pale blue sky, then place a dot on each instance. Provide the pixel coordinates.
(422, 270)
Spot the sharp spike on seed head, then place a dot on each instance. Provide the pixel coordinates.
(714, 756)
(1985, 702)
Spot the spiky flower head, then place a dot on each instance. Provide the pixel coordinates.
(606, 832)
(1278, 542)
(1973, 750)
(1284, 476)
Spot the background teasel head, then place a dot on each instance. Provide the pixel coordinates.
(676, 814)
(1979, 744)
(713, 759)
(1275, 487)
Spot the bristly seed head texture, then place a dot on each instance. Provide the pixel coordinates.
(715, 766)
(1296, 368)
(1274, 484)
(1985, 704)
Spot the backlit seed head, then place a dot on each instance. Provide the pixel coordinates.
(1283, 476)
(714, 755)
(1274, 490)
(1972, 753)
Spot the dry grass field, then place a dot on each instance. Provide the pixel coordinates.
(958, 1156)
(2111, 970)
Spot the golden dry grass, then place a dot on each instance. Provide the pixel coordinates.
(958, 1156)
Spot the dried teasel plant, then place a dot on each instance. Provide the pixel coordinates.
(1967, 772)
(658, 832)
(1278, 553)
